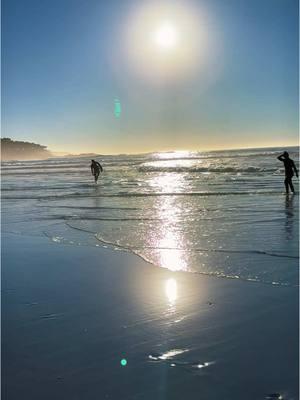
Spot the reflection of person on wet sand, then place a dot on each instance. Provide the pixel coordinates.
(96, 168)
(290, 168)
(289, 212)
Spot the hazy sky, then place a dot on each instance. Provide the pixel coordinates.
(232, 80)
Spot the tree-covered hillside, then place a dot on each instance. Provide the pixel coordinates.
(17, 150)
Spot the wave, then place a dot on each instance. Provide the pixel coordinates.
(221, 274)
(202, 250)
(92, 208)
(64, 166)
(77, 195)
(95, 218)
(153, 168)
(41, 188)
(44, 171)
(217, 155)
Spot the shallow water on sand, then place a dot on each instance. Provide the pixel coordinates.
(220, 213)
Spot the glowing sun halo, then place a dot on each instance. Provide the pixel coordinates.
(167, 41)
(166, 36)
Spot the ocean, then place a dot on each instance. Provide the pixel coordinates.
(221, 213)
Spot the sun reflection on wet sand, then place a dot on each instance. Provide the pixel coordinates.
(171, 290)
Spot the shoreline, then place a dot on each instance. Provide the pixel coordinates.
(70, 314)
(115, 247)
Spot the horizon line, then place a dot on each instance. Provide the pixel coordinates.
(173, 151)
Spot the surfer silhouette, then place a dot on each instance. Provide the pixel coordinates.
(96, 168)
(290, 168)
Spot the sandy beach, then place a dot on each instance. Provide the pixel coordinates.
(70, 314)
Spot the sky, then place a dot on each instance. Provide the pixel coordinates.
(82, 76)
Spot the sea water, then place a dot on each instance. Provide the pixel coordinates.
(222, 213)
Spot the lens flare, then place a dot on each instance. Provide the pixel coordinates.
(123, 362)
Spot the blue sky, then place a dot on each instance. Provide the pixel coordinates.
(64, 62)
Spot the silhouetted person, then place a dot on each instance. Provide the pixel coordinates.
(290, 167)
(96, 168)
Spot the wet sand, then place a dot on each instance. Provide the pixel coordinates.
(70, 314)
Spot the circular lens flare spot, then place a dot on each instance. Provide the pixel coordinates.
(123, 362)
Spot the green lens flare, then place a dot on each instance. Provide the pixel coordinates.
(124, 362)
(117, 108)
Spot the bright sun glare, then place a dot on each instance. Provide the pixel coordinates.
(167, 41)
(166, 36)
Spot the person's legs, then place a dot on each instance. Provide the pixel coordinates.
(96, 176)
(291, 185)
(286, 182)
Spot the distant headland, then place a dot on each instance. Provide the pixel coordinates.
(18, 150)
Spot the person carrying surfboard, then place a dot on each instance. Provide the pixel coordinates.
(96, 168)
(289, 167)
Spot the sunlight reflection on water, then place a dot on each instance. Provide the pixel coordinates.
(173, 154)
(170, 240)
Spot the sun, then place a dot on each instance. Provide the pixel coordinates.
(167, 41)
(166, 36)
